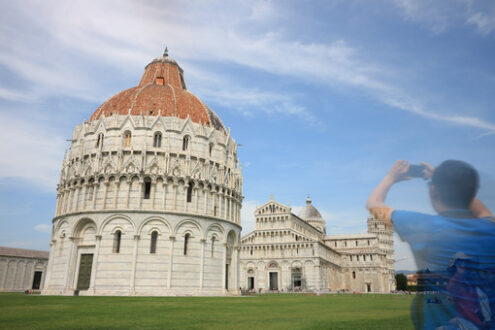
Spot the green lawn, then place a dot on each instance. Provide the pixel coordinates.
(282, 311)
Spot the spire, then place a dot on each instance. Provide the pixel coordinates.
(271, 197)
(165, 52)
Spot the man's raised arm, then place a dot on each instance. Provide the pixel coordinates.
(376, 201)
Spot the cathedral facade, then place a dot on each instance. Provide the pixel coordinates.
(149, 197)
(290, 253)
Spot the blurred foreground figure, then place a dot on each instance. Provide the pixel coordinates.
(455, 249)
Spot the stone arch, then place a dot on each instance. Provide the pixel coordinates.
(188, 226)
(114, 217)
(231, 238)
(214, 228)
(156, 223)
(59, 225)
(85, 229)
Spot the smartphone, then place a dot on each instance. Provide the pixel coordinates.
(416, 171)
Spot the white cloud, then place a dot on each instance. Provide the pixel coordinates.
(484, 22)
(248, 222)
(43, 228)
(30, 150)
(124, 36)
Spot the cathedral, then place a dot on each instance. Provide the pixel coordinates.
(149, 200)
(291, 253)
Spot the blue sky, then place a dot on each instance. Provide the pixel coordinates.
(323, 96)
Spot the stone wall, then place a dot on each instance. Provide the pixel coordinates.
(17, 273)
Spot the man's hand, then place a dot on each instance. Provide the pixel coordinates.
(428, 171)
(398, 172)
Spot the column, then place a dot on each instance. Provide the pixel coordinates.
(94, 267)
(105, 192)
(235, 269)
(129, 182)
(116, 194)
(96, 185)
(140, 199)
(230, 208)
(69, 200)
(224, 205)
(205, 206)
(153, 192)
(174, 204)
(164, 197)
(224, 266)
(196, 199)
(51, 255)
(69, 270)
(202, 265)
(134, 261)
(171, 263)
(85, 193)
(186, 187)
(78, 190)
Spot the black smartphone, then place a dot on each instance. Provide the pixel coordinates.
(416, 171)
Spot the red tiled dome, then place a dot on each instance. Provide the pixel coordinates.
(162, 90)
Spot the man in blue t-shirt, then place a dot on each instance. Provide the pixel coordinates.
(455, 249)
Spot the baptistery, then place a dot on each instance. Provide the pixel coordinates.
(149, 197)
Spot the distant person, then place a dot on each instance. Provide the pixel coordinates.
(463, 224)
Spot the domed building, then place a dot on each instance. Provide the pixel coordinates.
(288, 252)
(149, 196)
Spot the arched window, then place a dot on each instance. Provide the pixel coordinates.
(186, 241)
(99, 140)
(371, 257)
(364, 258)
(127, 139)
(185, 142)
(157, 140)
(354, 275)
(117, 237)
(356, 243)
(350, 258)
(154, 237)
(189, 192)
(210, 149)
(147, 188)
(213, 246)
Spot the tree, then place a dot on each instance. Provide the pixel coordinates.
(401, 281)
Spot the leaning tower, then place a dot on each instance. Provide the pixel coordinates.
(149, 197)
(385, 236)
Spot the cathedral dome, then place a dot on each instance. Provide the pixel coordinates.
(309, 211)
(311, 215)
(161, 91)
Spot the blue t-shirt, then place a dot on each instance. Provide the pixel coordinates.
(457, 258)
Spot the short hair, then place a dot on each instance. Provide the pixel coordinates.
(456, 183)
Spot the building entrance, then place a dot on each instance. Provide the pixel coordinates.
(250, 283)
(273, 281)
(85, 266)
(37, 280)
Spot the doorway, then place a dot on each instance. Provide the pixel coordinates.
(368, 287)
(250, 283)
(273, 281)
(37, 280)
(85, 266)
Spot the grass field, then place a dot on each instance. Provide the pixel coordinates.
(282, 311)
